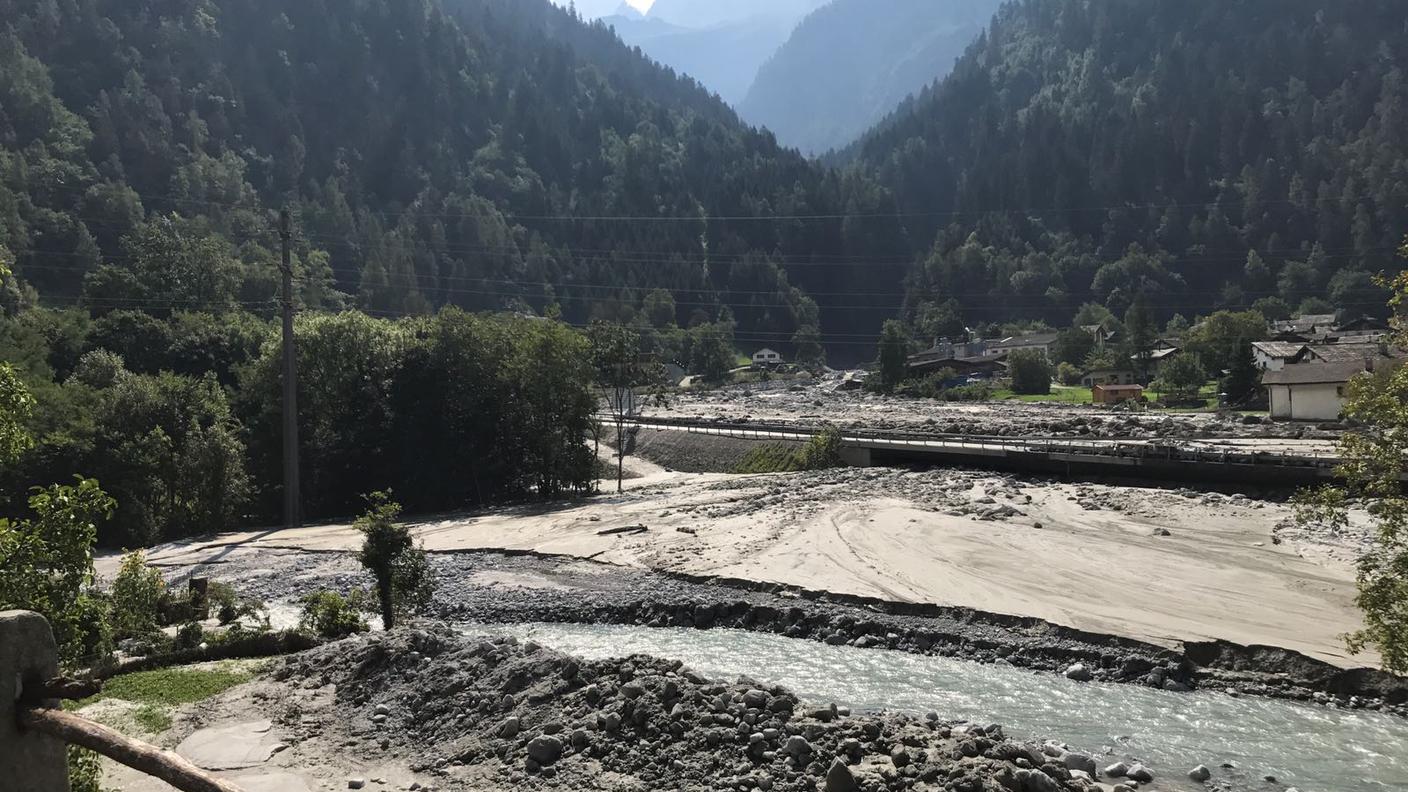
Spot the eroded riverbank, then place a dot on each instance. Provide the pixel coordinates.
(482, 587)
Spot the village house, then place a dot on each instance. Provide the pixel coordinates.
(1305, 324)
(1040, 342)
(767, 357)
(1274, 355)
(1102, 333)
(1160, 356)
(1314, 390)
(924, 364)
(1096, 377)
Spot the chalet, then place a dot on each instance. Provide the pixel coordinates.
(1039, 342)
(1103, 334)
(767, 357)
(1116, 394)
(1162, 355)
(1340, 353)
(1274, 355)
(1096, 377)
(1311, 391)
(922, 365)
(1363, 326)
(1305, 324)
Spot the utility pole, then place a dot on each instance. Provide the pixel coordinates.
(291, 498)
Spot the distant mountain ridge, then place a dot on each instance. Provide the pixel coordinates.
(851, 62)
(720, 45)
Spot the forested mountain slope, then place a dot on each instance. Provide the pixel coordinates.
(1098, 149)
(480, 153)
(850, 63)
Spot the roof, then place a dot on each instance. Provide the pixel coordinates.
(1315, 373)
(1035, 339)
(1160, 354)
(1343, 353)
(765, 351)
(954, 362)
(1305, 322)
(1278, 349)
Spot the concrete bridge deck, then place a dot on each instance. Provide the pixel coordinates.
(1184, 460)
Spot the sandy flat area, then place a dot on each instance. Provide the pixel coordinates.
(1156, 565)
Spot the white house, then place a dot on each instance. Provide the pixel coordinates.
(1312, 391)
(766, 357)
(1107, 377)
(1039, 342)
(1274, 355)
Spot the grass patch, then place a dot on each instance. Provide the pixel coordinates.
(171, 687)
(821, 452)
(152, 719)
(774, 458)
(1060, 394)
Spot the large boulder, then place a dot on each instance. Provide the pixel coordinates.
(840, 779)
(545, 749)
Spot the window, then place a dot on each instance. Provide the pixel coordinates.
(1339, 391)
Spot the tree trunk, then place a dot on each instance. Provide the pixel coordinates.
(620, 454)
(387, 601)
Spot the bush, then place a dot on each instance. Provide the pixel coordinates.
(822, 451)
(228, 606)
(330, 615)
(1031, 374)
(1068, 374)
(403, 581)
(136, 595)
(189, 636)
(978, 391)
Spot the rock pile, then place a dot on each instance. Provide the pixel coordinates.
(535, 718)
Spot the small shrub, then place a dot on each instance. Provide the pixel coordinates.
(228, 606)
(330, 615)
(136, 596)
(189, 636)
(978, 391)
(822, 451)
(85, 770)
(404, 584)
(1068, 374)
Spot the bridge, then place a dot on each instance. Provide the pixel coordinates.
(1158, 460)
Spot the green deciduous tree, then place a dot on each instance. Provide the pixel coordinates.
(16, 405)
(1217, 339)
(1243, 380)
(404, 584)
(1139, 337)
(48, 564)
(893, 361)
(1374, 455)
(1181, 377)
(1030, 372)
(1072, 345)
(136, 592)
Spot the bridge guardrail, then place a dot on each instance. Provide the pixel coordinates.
(1118, 449)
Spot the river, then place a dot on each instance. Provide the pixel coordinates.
(1316, 749)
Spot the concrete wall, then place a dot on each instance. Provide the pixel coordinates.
(1317, 402)
(28, 656)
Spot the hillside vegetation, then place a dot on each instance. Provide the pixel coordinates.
(1207, 155)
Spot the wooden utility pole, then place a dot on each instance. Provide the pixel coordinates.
(291, 498)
